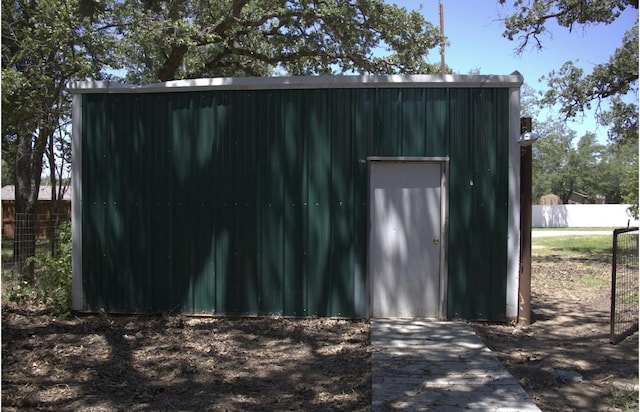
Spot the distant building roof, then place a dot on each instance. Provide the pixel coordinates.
(549, 199)
(9, 193)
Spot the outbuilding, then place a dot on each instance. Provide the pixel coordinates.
(345, 196)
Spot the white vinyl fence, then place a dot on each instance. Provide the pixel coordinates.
(582, 216)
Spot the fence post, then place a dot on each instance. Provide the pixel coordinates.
(614, 258)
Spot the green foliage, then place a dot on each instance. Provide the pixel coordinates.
(570, 87)
(529, 102)
(575, 91)
(53, 274)
(622, 119)
(16, 290)
(45, 44)
(623, 154)
(530, 18)
(7, 168)
(588, 168)
(563, 167)
(619, 174)
(209, 38)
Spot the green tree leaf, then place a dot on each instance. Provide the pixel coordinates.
(212, 38)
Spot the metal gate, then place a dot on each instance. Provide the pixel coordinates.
(624, 284)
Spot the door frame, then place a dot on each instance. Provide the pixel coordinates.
(444, 224)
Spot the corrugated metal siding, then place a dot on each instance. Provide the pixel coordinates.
(478, 203)
(256, 201)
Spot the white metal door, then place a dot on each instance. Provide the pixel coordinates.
(406, 238)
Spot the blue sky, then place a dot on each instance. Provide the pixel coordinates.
(475, 42)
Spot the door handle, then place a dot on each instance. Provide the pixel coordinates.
(436, 241)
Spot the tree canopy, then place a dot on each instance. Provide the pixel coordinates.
(564, 165)
(165, 40)
(569, 86)
(46, 43)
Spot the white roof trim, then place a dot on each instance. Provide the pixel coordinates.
(304, 82)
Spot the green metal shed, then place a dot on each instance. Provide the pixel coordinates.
(347, 196)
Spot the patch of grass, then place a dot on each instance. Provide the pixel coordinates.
(572, 245)
(596, 282)
(630, 299)
(622, 400)
(574, 229)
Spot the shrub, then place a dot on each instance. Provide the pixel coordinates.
(53, 274)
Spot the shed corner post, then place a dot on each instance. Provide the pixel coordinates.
(77, 300)
(524, 284)
(513, 234)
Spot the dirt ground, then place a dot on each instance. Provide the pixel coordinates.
(564, 359)
(103, 363)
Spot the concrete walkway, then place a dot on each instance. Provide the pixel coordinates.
(422, 365)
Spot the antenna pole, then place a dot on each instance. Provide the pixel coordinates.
(443, 67)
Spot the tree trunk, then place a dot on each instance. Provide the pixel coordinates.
(24, 241)
(566, 195)
(53, 212)
(29, 152)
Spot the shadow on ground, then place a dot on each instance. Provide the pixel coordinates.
(159, 363)
(564, 359)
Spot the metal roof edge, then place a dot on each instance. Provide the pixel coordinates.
(303, 82)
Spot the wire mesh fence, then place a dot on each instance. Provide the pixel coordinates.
(29, 235)
(624, 284)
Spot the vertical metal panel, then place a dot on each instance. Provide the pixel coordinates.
(255, 201)
(270, 229)
(478, 202)
(343, 230)
(460, 201)
(437, 115)
(319, 202)
(294, 200)
(363, 129)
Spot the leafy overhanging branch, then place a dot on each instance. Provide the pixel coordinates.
(570, 87)
(205, 38)
(531, 17)
(575, 91)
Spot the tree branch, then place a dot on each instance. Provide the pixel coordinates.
(168, 70)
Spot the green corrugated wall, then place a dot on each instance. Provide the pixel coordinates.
(255, 201)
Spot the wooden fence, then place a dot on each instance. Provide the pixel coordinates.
(43, 218)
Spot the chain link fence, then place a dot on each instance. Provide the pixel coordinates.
(624, 284)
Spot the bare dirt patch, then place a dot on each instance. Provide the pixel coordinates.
(564, 359)
(104, 363)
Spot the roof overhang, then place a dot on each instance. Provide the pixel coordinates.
(305, 82)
